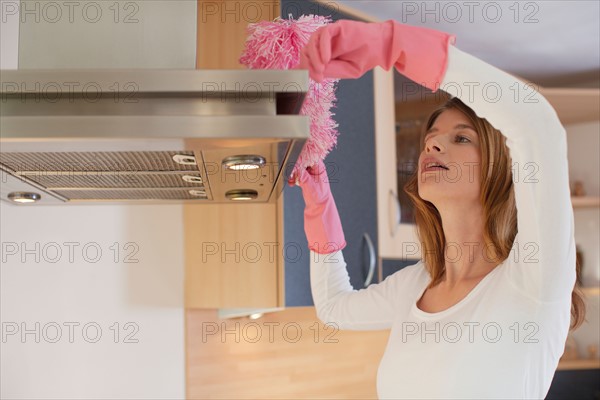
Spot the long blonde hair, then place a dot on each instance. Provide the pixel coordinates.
(497, 197)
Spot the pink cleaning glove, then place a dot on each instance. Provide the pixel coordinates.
(348, 49)
(322, 223)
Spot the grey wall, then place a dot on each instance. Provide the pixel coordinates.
(107, 34)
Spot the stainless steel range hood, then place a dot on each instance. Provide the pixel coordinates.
(153, 136)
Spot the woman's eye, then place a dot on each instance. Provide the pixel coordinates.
(458, 138)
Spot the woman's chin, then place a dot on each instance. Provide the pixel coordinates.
(429, 191)
(425, 195)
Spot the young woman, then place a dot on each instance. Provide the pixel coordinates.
(486, 312)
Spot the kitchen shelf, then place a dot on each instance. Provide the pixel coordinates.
(591, 290)
(585, 201)
(578, 364)
(574, 105)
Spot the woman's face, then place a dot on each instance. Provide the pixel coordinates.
(453, 141)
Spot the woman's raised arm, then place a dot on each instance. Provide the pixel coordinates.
(545, 246)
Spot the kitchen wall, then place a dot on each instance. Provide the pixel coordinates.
(9, 35)
(107, 34)
(91, 297)
(102, 321)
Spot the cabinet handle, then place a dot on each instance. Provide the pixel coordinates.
(371, 259)
(396, 212)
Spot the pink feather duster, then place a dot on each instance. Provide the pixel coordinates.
(276, 45)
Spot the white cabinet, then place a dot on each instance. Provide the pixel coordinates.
(397, 154)
(392, 235)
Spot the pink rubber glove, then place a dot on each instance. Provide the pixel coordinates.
(322, 223)
(348, 49)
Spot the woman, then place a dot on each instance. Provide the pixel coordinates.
(486, 312)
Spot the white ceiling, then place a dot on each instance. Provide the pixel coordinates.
(552, 43)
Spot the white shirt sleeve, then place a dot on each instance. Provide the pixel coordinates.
(337, 302)
(545, 245)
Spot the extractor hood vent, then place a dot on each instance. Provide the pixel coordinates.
(110, 175)
(168, 136)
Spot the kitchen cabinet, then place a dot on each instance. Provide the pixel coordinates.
(233, 254)
(398, 124)
(352, 172)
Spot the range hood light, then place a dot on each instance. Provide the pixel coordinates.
(241, 194)
(184, 160)
(24, 197)
(241, 162)
(192, 179)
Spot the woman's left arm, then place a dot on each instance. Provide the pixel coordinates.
(545, 246)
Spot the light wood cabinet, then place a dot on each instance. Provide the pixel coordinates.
(233, 252)
(574, 105)
(231, 257)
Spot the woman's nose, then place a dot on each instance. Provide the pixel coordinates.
(433, 144)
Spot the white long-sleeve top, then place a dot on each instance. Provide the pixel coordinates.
(505, 338)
